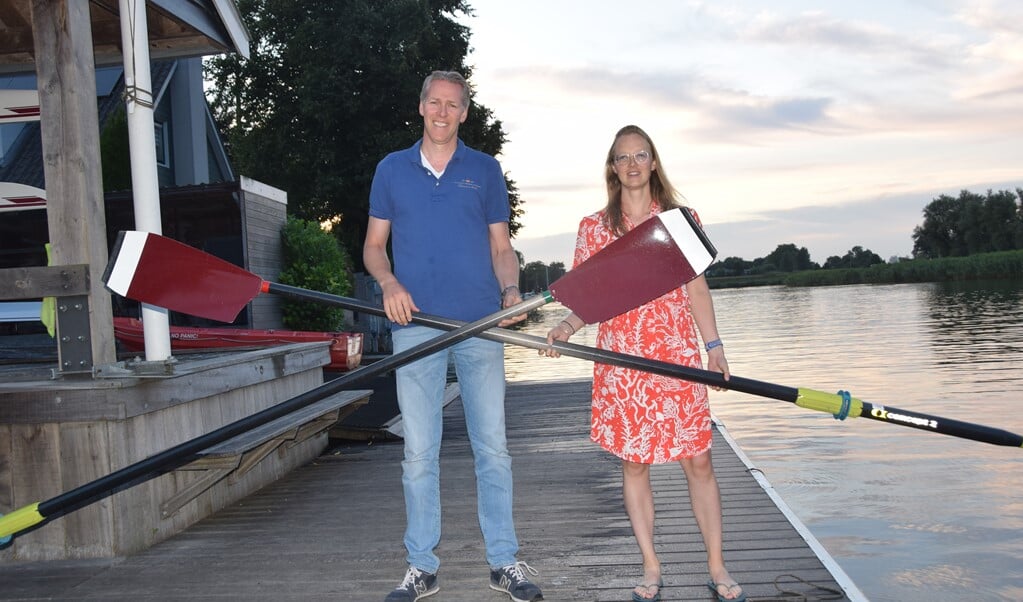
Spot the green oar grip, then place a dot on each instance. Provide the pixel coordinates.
(827, 402)
(18, 521)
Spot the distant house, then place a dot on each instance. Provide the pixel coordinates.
(203, 202)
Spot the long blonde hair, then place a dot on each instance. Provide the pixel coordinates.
(660, 188)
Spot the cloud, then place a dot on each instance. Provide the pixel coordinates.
(886, 47)
(586, 83)
(710, 107)
(994, 17)
(785, 113)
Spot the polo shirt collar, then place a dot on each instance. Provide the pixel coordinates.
(415, 150)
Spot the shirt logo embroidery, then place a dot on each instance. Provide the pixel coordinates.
(467, 183)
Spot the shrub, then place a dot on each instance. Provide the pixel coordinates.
(983, 266)
(314, 260)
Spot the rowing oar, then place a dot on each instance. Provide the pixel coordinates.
(142, 263)
(805, 398)
(233, 285)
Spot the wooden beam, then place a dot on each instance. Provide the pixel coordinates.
(17, 284)
(71, 158)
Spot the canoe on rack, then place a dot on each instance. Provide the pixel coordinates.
(345, 348)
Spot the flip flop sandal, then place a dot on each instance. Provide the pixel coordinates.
(714, 588)
(648, 586)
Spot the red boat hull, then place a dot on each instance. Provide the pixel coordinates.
(345, 348)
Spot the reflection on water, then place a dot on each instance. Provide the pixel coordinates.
(523, 364)
(909, 515)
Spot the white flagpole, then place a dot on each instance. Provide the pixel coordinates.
(142, 145)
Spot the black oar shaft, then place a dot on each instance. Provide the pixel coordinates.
(937, 424)
(173, 456)
(707, 377)
(828, 402)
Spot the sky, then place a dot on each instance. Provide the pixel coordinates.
(825, 124)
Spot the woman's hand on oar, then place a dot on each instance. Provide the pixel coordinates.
(716, 362)
(561, 332)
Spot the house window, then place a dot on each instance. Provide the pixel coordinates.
(162, 144)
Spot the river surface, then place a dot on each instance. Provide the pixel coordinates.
(908, 515)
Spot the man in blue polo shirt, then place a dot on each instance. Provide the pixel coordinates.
(444, 207)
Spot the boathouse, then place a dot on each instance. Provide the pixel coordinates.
(87, 414)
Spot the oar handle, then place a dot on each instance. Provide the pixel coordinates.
(19, 520)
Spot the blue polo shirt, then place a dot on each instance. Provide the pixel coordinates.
(440, 236)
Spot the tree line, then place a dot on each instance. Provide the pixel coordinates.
(960, 226)
(790, 258)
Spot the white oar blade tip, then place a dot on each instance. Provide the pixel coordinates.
(685, 233)
(124, 264)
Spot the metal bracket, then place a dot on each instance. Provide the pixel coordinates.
(74, 347)
(137, 368)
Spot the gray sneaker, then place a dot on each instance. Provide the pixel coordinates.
(513, 581)
(415, 586)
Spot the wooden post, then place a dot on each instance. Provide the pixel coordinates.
(69, 124)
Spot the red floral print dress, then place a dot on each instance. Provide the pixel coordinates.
(638, 416)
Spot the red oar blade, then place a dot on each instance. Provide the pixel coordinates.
(655, 257)
(160, 271)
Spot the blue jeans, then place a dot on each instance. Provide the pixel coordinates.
(479, 365)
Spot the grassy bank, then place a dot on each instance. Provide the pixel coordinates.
(986, 266)
(769, 279)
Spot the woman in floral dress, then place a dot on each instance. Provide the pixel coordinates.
(645, 418)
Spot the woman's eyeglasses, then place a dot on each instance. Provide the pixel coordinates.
(641, 158)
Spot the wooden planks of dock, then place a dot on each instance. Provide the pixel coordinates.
(332, 529)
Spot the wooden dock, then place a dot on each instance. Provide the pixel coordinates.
(332, 529)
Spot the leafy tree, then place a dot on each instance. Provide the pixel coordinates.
(970, 224)
(313, 259)
(1001, 220)
(936, 236)
(789, 258)
(537, 275)
(730, 266)
(1018, 236)
(761, 265)
(556, 270)
(329, 89)
(115, 152)
(857, 257)
(533, 277)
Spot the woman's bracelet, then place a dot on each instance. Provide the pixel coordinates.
(566, 323)
(713, 344)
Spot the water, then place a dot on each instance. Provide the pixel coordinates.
(909, 515)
